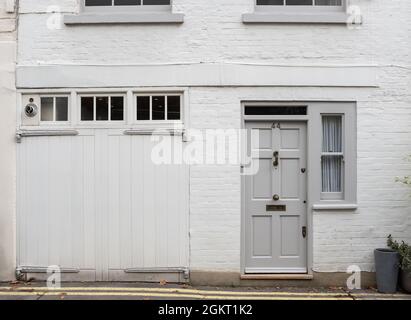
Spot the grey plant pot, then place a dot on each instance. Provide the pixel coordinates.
(387, 267)
(405, 280)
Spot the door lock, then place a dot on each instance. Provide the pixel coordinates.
(275, 155)
(304, 231)
(276, 197)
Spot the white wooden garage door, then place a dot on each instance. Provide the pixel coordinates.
(98, 207)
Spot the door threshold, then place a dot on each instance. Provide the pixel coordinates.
(277, 276)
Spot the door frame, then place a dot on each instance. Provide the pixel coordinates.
(284, 118)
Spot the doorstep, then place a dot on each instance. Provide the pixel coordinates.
(276, 277)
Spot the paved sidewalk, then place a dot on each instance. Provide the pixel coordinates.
(133, 291)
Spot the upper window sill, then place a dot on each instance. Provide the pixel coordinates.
(120, 18)
(316, 18)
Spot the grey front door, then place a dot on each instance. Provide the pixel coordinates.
(275, 199)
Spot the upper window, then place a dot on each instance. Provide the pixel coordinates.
(305, 3)
(298, 11)
(126, 4)
(94, 3)
(124, 12)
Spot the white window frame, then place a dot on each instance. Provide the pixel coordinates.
(101, 122)
(300, 9)
(54, 122)
(300, 14)
(119, 9)
(348, 197)
(158, 122)
(335, 195)
(137, 14)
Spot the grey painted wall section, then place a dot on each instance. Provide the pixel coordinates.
(7, 143)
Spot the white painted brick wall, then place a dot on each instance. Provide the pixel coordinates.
(7, 144)
(213, 32)
(340, 239)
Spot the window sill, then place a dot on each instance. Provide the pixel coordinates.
(124, 18)
(315, 18)
(335, 206)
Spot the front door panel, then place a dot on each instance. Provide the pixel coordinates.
(274, 237)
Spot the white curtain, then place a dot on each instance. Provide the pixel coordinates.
(332, 134)
(332, 164)
(331, 173)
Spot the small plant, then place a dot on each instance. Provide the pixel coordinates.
(407, 179)
(404, 251)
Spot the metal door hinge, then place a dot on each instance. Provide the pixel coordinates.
(304, 231)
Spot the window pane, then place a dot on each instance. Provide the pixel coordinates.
(61, 109)
(117, 108)
(328, 2)
(127, 2)
(156, 2)
(332, 133)
(90, 3)
(270, 2)
(173, 108)
(47, 109)
(87, 108)
(143, 108)
(331, 173)
(159, 110)
(270, 110)
(102, 108)
(299, 2)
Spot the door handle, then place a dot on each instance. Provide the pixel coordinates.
(275, 155)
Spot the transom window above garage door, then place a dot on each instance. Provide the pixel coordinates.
(54, 109)
(102, 108)
(158, 107)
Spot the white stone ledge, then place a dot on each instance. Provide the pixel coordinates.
(124, 18)
(177, 75)
(315, 18)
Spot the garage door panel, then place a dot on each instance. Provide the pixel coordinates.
(136, 198)
(114, 203)
(55, 206)
(60, 194)
(98, 202)
(87, 196)
(146, 230)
